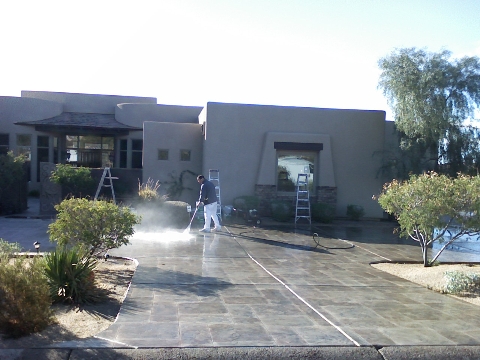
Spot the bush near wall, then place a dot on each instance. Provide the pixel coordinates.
(161, 215)
(323, 213)
(355, 212)
(282, 210)
(75, 181)
(13, 184)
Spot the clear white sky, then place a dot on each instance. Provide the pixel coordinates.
(319, 53)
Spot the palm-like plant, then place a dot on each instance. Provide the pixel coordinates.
(71, 277)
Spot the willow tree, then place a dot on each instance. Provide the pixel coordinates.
(432, 96)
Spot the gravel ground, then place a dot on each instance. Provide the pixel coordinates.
(431, 277)
(74, 323)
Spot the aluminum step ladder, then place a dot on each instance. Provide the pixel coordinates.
(107, 175)
(214, 177)
(302, 208)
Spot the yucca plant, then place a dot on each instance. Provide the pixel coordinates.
(71, 277)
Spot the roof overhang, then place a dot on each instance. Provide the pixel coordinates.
(81, 123)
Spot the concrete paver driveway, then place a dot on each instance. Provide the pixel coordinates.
(267, 287)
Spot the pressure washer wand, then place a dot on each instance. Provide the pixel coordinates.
(191, 220)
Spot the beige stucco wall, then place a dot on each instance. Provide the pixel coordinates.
(87, 103)
(14, 109)
(235, 144)
(136, 114)
(173, 137)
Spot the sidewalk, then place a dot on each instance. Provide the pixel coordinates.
(266, 292)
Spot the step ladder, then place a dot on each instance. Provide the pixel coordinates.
(107, 175)
(214, 177)
(302, 209)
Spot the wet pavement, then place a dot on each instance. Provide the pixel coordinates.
(274, 287)
(267, 287)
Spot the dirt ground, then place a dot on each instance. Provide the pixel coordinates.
(74, 323)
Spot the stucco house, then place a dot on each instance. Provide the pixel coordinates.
(258, 149)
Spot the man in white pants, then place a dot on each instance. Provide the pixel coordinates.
(208, 198)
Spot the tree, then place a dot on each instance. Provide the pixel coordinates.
(431, 97)
(98, 225)
(427, 208)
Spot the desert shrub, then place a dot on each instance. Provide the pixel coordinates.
(70, 275)
(458, 282)
(13, 184)
(148, 191)
(323, 213)
(7, 249)
(24, 297)
(75, 181)
(355, 212)
(98, 225)
(282, 210)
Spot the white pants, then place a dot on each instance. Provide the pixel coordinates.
(210, 212)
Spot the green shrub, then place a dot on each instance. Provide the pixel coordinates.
(176, 214)
(24, 297)
(98, 225)
(163, 215)
(458, 282)
(282, 210)
(246, 203)
(13, 184)
(70, 275)
(323, 213)
(34, 193)
(7, 249)
(355, 212)
(75, 181)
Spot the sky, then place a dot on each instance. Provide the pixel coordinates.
(313, 53)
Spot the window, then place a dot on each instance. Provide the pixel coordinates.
(123, 153)
(137, 153)
(162, 154)
(184, 155)
(24, 143)
(90, 150)
(4, 144)
(42, 152)
(290, 163)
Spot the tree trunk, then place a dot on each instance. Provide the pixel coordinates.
(425, 255)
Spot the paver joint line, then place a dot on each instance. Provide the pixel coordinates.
(299, 297)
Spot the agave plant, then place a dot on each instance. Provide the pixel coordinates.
(71, 277)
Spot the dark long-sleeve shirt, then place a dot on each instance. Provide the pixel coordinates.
(207, 193)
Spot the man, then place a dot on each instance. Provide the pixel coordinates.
(208, 198)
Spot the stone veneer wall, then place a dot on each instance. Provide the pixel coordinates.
(50, 193)
(267, 193)
(327, 194)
